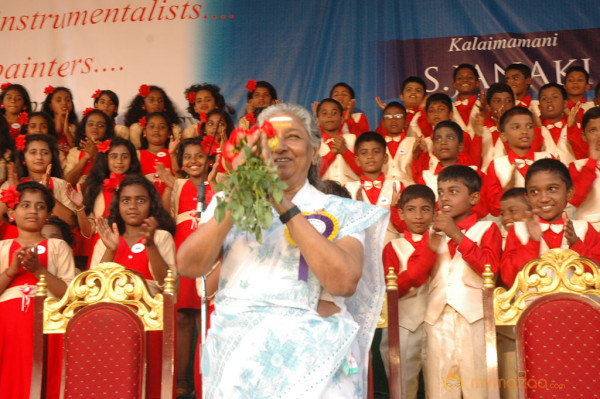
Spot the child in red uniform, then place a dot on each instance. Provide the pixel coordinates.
(337, 160)
(518, 77)
(107, 101)
(400, 147)
(508, 171)
(412, 95)
(577, 82)
(22, 261)
(454, 252)
(513, 208)
(14, 100)
(157, 148)
(59, 105)
(94, 128)
(466, 106)
(548, 188)
(417, 204)
(139, 236)
(586, 173)
(498, 99)
(353, 122)
(202, 99)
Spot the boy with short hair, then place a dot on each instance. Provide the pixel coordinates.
(498, 99)
(577, 82)
(548, 188)
(586, 172)
(508, 171)
(337, 160)
(417, 207)
(399, 146)
(518, 77)
(466, 106)
(454, 253)
(513, 208)
(373, 186)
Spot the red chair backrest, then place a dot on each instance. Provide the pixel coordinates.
(559, 348)
(104, 353)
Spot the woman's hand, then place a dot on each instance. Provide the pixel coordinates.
(75, 196)
(109, 236)
(149, 227)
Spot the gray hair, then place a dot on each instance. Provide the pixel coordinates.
(314, 133)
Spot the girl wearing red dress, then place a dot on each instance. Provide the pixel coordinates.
(59, 105)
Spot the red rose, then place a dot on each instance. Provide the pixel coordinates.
(269, 130)
(207, 141)
(251, 85)
(23, 118)
(229, 152)
(87, 111)
(142, 121)
(250, 118)
(96, 94)
(253, 133)
(10, 196)
(203, 117)
(103, 146)
(20, 142)
(5, 86)
(237, 136)
(144, 90)
(191, 96)
(113, 182)
(49, 90)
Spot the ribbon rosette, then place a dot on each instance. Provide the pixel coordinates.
(10, 196)
(20, 142)
(251, 85)
(191, 96)
(96, 94)
(326, 224)
(87, 111)
(142, 121)
(113, 182)
(49, 90)
(144, 90)
(103, 146)
(5, 86)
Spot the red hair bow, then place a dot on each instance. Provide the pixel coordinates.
(87, 111)
(251, 85)
(20, 142)
(144, 90)
(142, 121)
(5, 86)
(23, 118)
(96, 94)
(113, 182)
(191, 96)
(10, 196)
(103, 146)
(49, 90)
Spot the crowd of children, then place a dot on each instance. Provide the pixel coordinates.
(490, 177)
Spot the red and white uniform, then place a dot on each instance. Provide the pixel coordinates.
(341, 167)
(463, 111)
(585, 174)
(556, 141)
(399, 165)
(135, 134)
(357, 124)
(148, 162)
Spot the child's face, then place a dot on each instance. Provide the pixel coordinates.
(418, 215)
(517, 82)
(394, 120)
(454, 199)
(106, 105)
(31, 212)
(52, 231)
(154, 102)
(330, 117)
(205, 102)
(213, 122)
(518, 132)
(157, 130)
(575, 84)
(500, 103)
(95, 127)
(438, 112)
(591, 134)
(552, 104)
(512, 210)
(445, 144)
(61, 102)
(465, 81)
(342, 95)
(548, 195)
(262, 97)
(37, 124)
(371, 157)
(119, 159)
(134, 204)
(38, 156)
(413, 95)
(13, 102)
(194, 159)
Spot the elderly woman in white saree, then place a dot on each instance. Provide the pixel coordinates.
(294, 316)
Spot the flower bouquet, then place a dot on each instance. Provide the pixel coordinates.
(251, 186)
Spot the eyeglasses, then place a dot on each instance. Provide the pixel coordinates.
(397, 116)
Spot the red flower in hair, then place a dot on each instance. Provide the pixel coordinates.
(269, 130)
(144, 90)
(250, 118)
(203, 117)
(206, 144)
(5, 86)
(113, 182)
(23, 118)
(49, 90)
(142, 121)
(251, 85)
(96, 94)
(20, 142)
(87, 111)
(191, 96)
(104, 146)
(10, 196)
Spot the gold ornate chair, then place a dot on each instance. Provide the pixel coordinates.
(107, 317)
(554, 307)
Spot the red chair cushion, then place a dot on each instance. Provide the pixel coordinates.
(104, 346)
(561, 349)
